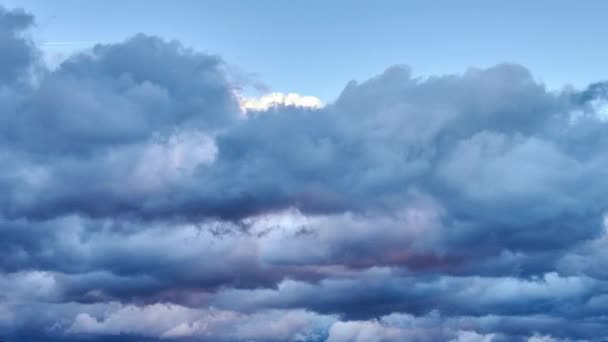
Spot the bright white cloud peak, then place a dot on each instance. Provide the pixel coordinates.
(138, 203)
(276, 99)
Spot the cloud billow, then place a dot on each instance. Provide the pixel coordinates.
(139, 202)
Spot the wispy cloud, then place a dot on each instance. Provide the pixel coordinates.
(67, 43)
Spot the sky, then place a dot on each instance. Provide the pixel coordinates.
(277, 42)
(303, 172)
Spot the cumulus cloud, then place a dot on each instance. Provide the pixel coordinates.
(276, 99)
(19, 53)
(139, 203)
(173, 321)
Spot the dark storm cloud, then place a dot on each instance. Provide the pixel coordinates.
(91, 261)
(487, 145)
(122, 93)
(139, 202)
(376, 293)
(451, 137)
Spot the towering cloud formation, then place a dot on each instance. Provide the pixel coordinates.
(137, 203)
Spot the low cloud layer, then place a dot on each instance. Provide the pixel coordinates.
(139, 203)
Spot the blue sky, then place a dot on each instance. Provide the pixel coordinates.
(279, 41)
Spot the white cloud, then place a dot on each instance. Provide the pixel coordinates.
(472, 336)
(175, 157)
(600, 107)
(541, 338)
(171, 321)
(277, 99)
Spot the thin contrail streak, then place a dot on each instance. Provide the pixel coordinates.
(68, 43)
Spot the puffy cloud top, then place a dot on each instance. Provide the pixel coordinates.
(275, 99)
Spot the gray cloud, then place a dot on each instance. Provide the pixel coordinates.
(123, 93)
(18, 52)
(139, 203)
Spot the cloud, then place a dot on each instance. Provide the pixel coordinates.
(379, 292)
(172, 321)
(19, 53)
(274, 100)
(123, 93)
(139, 203)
